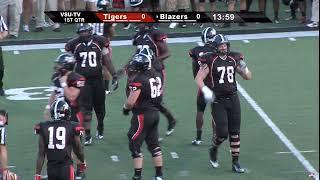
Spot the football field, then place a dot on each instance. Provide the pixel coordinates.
(279, 110)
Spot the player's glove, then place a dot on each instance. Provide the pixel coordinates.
(125, 111)
(37, 177)
(83, 167)
(208, 94)
(114, 82)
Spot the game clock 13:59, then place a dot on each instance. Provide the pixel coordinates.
(224, 17)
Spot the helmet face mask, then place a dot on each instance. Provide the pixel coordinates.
(223, 44)
(64, 63)
(60, 110)
(208, 35)
(85, 32)
(223, 49)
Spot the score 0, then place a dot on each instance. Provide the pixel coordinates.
(198, 16)
(143, 16)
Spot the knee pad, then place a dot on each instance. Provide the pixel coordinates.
(135, 151)
(218, 140)
(156, 151)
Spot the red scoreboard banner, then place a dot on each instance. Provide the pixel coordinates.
(155, 17)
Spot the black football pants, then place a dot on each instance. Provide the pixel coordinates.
(226, 114)
(61, 173)
(92, 96)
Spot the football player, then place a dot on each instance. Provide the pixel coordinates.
(66, 86)
(5, 174)
(223, 95)
(197, 54)
(143, 100)
(91, 53)
(147, 37)
(57, 139)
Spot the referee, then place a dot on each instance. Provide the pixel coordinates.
(3, 34)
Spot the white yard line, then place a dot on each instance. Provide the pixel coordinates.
(175, 40)
(278, 132)
(289, 152)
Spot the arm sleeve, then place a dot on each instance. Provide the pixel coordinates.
(160, 36)
(75, 80)
(135, 85)
(3, 135)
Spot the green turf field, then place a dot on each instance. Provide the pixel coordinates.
(285, 85)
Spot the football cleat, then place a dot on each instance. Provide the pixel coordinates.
(214, 164)
(99, 135)
(171, 127)
(88, 141)
(158, 178)
(213, 152)
(196, 142)
(237, 168)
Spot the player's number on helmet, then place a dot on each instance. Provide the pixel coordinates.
(90, 56)
(58, 135)
(230, 73)
(155, 85)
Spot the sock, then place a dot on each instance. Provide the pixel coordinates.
(276, 15)
(234, 146)
(199, 133)
(158, 171)
(137, 172)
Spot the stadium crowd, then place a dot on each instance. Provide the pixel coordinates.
(20, 12)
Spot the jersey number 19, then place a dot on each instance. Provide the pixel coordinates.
(57, 138)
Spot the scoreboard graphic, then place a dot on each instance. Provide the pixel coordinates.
(155, 17)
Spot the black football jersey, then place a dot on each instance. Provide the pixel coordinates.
(88, 55)
(198, 55)
(150, 83)
(222, 72)
(58, 139)
(150, 39)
